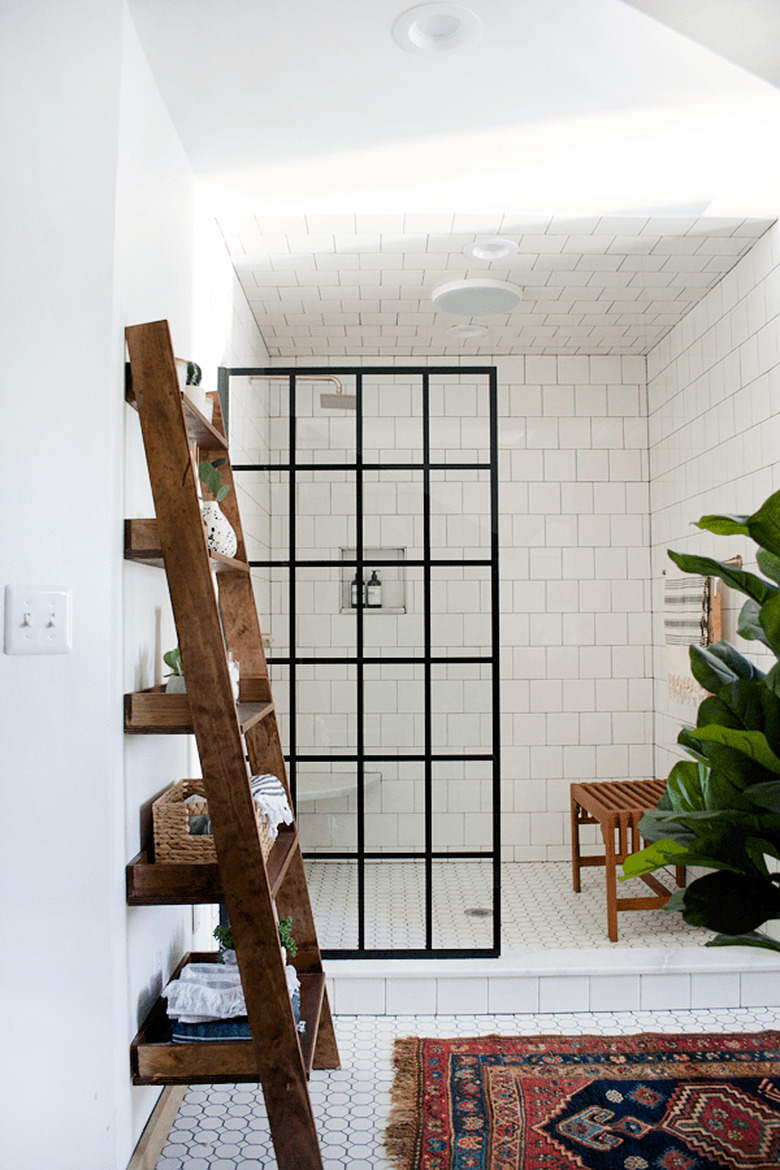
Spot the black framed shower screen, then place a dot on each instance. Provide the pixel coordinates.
(289, 665)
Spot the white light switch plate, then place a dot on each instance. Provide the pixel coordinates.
(37, 621)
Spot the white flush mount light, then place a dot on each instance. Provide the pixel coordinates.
(465, 331)
(434, 28)
(490, 248)
(476, 298)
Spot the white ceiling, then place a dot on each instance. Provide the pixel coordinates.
(362, 284)
(331, 159)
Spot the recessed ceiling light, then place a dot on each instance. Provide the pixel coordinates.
(467, 330)
(490, 248)
(476, 298)
(433, 28)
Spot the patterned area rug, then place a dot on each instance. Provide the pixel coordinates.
(645, 1102)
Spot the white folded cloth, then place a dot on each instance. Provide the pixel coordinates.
(213, 991)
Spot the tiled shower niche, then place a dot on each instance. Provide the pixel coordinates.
(389, 714)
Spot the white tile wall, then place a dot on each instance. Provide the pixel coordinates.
(714, 425)
(596, 453)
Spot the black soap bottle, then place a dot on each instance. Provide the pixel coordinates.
(374, 592)
(355, 590)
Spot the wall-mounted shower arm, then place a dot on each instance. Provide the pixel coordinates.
(337, 401)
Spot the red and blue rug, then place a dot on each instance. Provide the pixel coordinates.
(645, 1102)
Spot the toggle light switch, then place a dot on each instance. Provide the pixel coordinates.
(37, 621)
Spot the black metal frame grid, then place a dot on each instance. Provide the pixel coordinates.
(361, 757)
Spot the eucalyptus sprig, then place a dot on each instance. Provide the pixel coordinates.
(209, 476)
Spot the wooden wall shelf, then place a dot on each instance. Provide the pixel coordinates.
(153, 712)
(156, 1060)
(199, 429)
(142, 545)
(179, 883)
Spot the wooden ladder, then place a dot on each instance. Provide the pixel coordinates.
(176, 435)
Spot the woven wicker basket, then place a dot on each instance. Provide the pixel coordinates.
(172, 838)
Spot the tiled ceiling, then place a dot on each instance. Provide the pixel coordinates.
(360, 285)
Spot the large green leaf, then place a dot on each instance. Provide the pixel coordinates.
(769, 564)
(749, 583)
(764, 525)
(685, 787)
(730, 903)
(752, 744)
(765, 795)
(725, 525)
(749, 625)
(652, 857)
(710, 672)
(732, 660)
(769, 620)
(753, 939)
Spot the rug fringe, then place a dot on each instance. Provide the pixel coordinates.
(405, 1112)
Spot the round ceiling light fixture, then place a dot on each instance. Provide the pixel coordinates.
(476, 298)
(490, 248)
(464, 331)
(434, 28)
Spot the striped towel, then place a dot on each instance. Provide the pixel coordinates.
(687, 602)
(271, 798)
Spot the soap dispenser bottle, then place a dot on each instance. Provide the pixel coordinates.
(356, 589)
(374, 592)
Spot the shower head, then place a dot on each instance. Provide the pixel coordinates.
(338, 401)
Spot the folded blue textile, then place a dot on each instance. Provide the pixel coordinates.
(235, 1029)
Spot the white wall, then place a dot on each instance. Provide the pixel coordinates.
(101, 227)
(714, 421)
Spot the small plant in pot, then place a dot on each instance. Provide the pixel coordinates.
(175, 683)
(220, 535)
(721, 808)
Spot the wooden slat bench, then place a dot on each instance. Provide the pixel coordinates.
(616, 806)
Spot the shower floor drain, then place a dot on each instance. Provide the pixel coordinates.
(478, 912)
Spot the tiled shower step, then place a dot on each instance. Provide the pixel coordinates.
(547, 980)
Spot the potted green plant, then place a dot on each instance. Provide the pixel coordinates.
(220, 536)
(175, 683)
(721, 808)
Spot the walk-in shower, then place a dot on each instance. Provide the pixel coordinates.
(371, 516)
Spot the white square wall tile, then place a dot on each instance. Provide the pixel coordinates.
(456, 996)
(359, 997)
(563, 993)
(760, 988)
(410, 997)
(715, 989)
(665, 992)
(513, 995)
(614, 993)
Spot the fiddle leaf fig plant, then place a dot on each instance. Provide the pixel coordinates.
(721, 808)
(208, 473)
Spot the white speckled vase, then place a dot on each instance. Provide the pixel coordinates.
(220, 536)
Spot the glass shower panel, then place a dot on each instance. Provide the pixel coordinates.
(461, 620)
(325, 520)
(460, 429)
(461, 708)
(254, 490)
(392, 418)
(393, 708)
(322, 628)
(325, 418)
(461, 525)
(333, 889)
(395, 904)
(326, 706)
(393, 504)
(253, 415)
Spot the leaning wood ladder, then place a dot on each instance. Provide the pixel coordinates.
(228, 734)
